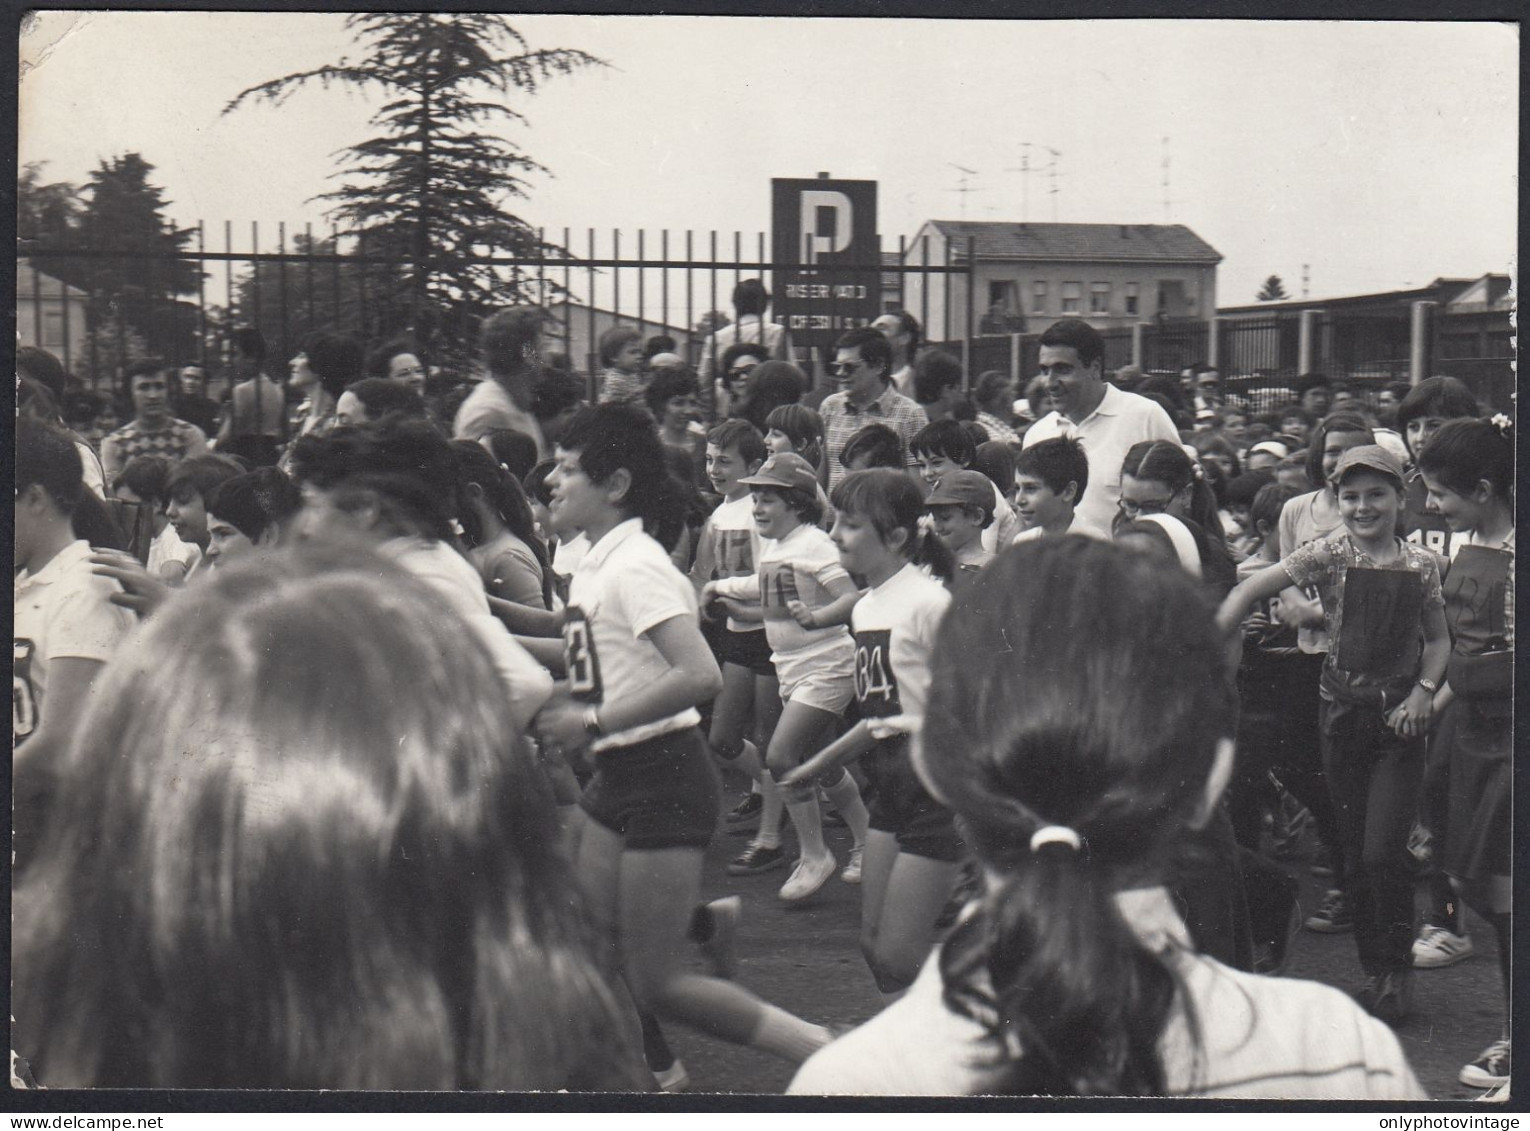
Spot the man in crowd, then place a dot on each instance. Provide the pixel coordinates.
(191, 402)
(257, 410)
(750, 301)
(901, 329)
(153, 431)
(863, 372)
(1106, 420)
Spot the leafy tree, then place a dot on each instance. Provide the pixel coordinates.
(46, 214)
(430, 188)
(1273, 290)
(290, 300)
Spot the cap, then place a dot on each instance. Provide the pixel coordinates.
(963, 489)
(784, 469)
(1369, 457)
(1273, 447)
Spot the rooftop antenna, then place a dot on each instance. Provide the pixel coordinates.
(1165, 180)
(1025, 180)
(964, 188)
(1304, 280)
(1052, 175)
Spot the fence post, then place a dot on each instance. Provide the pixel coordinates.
(1014, 358)
(1306, 342)
(1421, 341)
(1214, 342)
(1139, 351)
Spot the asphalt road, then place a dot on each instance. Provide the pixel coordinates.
(806, 958)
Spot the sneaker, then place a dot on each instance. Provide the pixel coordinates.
(1437, 946)
(746, 810)
(1490, 1069)
(1497, 1094)
(1387, 997)
(1287, 834)
(718, 949)
(755, 859)
(674, 1078)
(810, 874)
(852, 872)
(1334, 917)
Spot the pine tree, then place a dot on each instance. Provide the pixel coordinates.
(1273, 290)
(430, 188)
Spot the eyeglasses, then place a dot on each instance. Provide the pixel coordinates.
(1132, 509)
(742, 370)
(844, 368)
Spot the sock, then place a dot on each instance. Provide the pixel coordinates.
(788, 1037)
(808, 822)
(845, 796)
(771, 806)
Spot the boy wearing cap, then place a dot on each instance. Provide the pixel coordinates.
(1385, 616)
(961, 508)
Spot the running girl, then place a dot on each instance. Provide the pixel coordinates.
(637, 667)
(806, 596)
(912, 850)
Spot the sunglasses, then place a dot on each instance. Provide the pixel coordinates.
(844, 368)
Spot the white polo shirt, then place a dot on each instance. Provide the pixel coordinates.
(1120, 420)
(624, 587)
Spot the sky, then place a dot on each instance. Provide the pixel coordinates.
(1381, 155)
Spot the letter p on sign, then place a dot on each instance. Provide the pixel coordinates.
(825, 223)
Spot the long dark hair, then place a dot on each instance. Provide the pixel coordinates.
(1099, 706)
(352, 881)
(507, 498)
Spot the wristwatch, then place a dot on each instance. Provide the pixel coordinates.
(1429, 685)
(592, 722)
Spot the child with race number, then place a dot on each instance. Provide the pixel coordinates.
(1385, 617)
(912, 850)
(637, 667)
(1075, 781)
(806, 597)
(1468, 468)
(750, 699)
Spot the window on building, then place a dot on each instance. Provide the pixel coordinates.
(1072, 296)
(1038, 298)
(53, 329)
(1131, 298)
(1099, 298)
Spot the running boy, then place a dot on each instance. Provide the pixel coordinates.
(1381, 596)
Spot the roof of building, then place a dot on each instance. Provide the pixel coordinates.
(32, 283)
(1155, 243)
(1491, 290)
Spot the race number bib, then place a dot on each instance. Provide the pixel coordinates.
(876, 688)
(23, 699)
(1383, 609)
(734, 554)
(778, 588)
(580, 658)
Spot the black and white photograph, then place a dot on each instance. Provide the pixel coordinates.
(730, 556)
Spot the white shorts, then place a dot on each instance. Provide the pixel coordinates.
(825, 679)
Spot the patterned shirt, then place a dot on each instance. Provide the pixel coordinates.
(841, 420)
(997, 429)
(175, 441)
(1382, 613)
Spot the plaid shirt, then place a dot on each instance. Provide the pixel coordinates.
(841, 420)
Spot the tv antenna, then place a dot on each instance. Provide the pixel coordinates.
(1052, 175)
(1165, 180)
(1025, 180)
(963, 187)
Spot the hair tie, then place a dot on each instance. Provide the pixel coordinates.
(1501, 422)
(1055, 834)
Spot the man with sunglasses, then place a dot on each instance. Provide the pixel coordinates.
(862, 372)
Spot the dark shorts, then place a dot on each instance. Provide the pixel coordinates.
(902, 806)
(746, 649)
(662, 793)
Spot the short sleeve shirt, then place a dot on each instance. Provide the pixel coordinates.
(488, 408)
(841, 420)
(894, 626)
(799, 567)
(63, 611)
(734, 541)
(1381, 612)
(624, 587)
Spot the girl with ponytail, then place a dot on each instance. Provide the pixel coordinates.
(1079, 726)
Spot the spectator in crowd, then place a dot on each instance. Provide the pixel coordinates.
(398, 361)
(621, 359)
(256, 419)
(731, 386)
(249, 511)
(938, 380)
(153, 431)
(1106, 420)
(191, 402)
(373, 398)
(875, 445)
(750, 302)
(511, 344)
(902, 331)
(658, 344)
(145, 482)
(1387, 399)
(863, 371)
(35, 399)
(994, 395)
(1314, 393)
(322, 369)
(770, 385)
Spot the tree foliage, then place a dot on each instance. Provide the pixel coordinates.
(1273, 290)
(431, 187)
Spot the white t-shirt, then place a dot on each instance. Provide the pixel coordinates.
(799, 567)
(1005, 525)
(625, 586)
(1107, 434)
(894, 625)
(487, 408)
(451, 576)
(168, 547)
(733, 542)
(1260, 1038)
(63, 611)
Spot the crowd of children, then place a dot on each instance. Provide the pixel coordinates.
(1028, 723)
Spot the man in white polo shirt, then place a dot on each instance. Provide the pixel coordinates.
(1104, 419)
